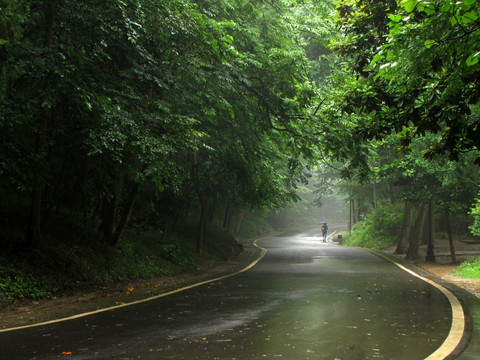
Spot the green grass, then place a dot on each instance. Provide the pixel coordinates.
(469, 269)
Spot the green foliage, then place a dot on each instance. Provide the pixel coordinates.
(102, 102)
(17, 284)
(419, 63)
(378, 229)
(469, 269)
(63, 267)
(177, 254)
(475, 212)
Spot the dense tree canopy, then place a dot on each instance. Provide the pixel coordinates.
(406, 93)
(103, 101)
(114, 107)
(413, 68)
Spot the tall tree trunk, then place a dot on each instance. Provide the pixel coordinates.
(109, 216)
(227, 218)
(450, 235)
(127, 212)
(349, 216)
(418, 233)
(111, 209)
(241, 216)
(354, 213)
(392, 193)
(406, 227)
(430, 232)
(34, 219)
(212, 208)
(202, 220)
(78, 197)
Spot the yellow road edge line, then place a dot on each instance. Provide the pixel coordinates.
(457, 328)
(77, 316)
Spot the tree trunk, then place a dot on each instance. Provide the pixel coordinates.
(431, 233)
(110, 210)
(450, 235)
(350, 216)
(212, 208)
(109, 216)
(34, 220)
(406, 227)
(241, 216)
(418, 233)
(354, 213)
(202, 221)
(227, 219)
(127, 212)
(392, 193)
(78, 197)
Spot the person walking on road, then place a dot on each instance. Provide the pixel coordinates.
(324, 232)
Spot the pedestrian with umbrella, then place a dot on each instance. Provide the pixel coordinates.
(324, 230)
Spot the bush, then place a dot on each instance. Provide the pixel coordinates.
(469, 269)
(60, 266)
(475, 212)
(17, 284)
(379, 229)
(66, 264)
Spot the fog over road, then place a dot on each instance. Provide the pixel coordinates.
(304, 300)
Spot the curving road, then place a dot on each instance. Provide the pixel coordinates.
(304, 300)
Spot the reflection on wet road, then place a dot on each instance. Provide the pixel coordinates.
(304, 300)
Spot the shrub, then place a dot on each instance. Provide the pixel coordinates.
(469, 269)
(17, 284)
(379, 229)
(475, 212)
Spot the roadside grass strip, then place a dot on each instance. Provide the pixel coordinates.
(457, 328)
(77, 316)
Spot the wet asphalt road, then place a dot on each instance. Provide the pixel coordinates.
(304, 300)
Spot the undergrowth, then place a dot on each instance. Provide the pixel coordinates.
(62, 266)
(469, 269)
(379, 229)
(71, 257)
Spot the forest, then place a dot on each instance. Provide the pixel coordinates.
(137, 133)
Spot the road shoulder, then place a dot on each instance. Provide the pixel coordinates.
(33, 312)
